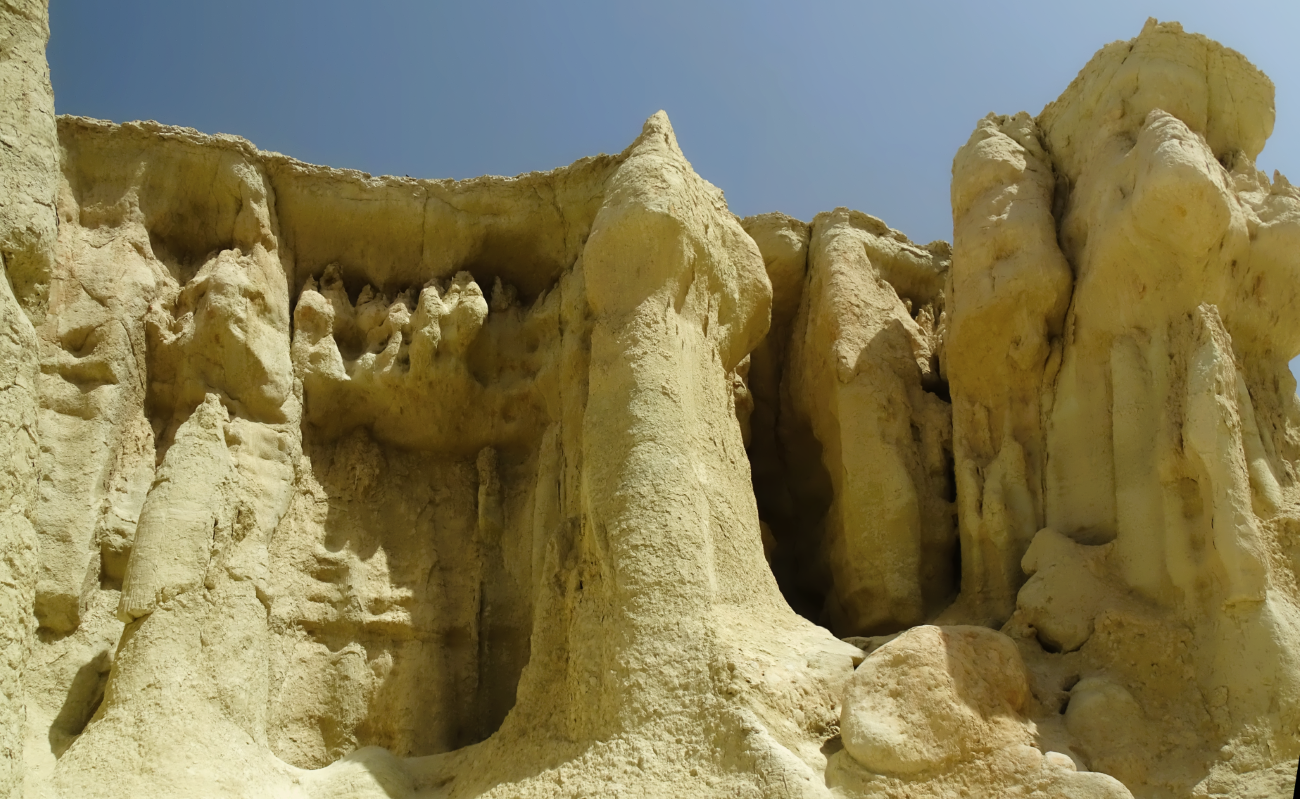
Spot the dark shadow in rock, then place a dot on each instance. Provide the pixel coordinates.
(83, 699)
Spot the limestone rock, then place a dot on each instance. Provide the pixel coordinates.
(1010, 288)
(863, 382)
(1106, 721)
(935, 696)
(28, 173)
(1212, 89)
(1066, 589)
(318, 484)
(939, 711)
(174, 536)
(404, 522)
(1157, 401)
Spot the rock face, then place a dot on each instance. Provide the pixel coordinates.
(934, 696)
(1159, 449)
(28, 182)
(938, 712)
(862, 379)
(325, 485)
(1011, 287)
(468, 512)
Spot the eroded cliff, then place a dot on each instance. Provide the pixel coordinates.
(328, 485)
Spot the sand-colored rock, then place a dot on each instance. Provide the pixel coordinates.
(863, 379)
(28, 174)
(405, 522)
(1169, 426)
(934, 696)
(1010, 285)
(324, 485)
(938, 711)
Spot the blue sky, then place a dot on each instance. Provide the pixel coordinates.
(797, 107)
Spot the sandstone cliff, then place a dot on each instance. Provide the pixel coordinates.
(320, 484)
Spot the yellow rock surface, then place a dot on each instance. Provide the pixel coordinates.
(320, 485)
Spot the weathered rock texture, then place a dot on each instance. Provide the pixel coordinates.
(862, 421)
(1150, 419)
(507, 536)
(28, 179)
(322, 485)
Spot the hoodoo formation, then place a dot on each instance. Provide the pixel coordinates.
(323, 485)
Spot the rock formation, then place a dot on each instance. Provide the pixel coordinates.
(28, 178)
(324, 485)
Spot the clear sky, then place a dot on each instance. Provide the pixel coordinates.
(794, 106)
